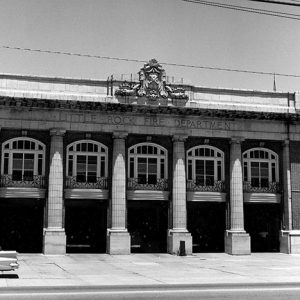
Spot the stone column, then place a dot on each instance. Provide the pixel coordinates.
(237, 241)
(286, 232)
(54, 233)
(179, 231)
(118, 238)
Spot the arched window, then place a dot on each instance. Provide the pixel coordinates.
(23, 159)
(86, 161)
(147, 163)
(260, 167)
(205, 166)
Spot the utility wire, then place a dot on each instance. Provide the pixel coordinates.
(276, 2)
(247, 9)
(145, 61)
(243, 8)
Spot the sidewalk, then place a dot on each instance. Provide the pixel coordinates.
(151, 269)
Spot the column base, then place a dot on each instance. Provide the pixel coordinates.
(290, 241)
(54, 241)
(174, 238)
(118, 242)
(237, 243)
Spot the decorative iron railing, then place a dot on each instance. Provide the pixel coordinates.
(215, 186)
(72, 182)
(36, 181)
(273, 187)
(136, 184)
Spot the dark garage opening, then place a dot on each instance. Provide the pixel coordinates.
(86, 225)
(148, 225)
(262, 222)
(21, 225)
(206, 223)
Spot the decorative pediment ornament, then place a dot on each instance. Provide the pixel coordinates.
(152, 84)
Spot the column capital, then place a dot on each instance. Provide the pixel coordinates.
(236, 140)
(120, 134)
(285, 143)
(179, 138)
(57, 131)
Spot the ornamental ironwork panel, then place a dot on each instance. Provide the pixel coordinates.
(216, 186)
(73, 182)
(273, 187)
(35, 181)
(136, 184)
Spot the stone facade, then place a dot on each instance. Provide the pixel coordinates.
(204, 146)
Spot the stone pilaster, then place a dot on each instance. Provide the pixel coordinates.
(179, 231)
(54, 233)
(118, 238)
(237, 241)
(289, 238)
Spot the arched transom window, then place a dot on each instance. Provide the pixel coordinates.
(23, 158)
(86, 161)
(260, 167)
(147, 163)
(205, 165)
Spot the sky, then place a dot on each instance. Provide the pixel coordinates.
(171, 31)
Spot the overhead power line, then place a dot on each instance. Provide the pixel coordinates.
(145, 61)
(277, 2)
(247, 9)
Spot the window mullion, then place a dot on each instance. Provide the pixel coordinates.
(147, 168)
(223, 168)
(269, 172)
(215, 169)
(35, 163)
(204, 172)
(23, 158)
(86, 167)
(259, 173)
(2, 163)
(10, 158)
(249, 170)
(158, 163)
(43, 162)
(75, 165)
(193, 168)
(98, 166)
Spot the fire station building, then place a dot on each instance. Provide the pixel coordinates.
(147, 165)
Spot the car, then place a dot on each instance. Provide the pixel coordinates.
(8, 261)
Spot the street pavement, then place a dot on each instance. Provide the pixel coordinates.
(143, 270)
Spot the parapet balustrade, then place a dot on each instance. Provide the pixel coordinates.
(74, 182)
(199, 186)
(140, 184)
(35, 181)
(270, 187)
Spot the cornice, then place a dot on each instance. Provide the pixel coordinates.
(79, 106)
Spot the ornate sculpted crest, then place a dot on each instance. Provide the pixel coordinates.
(152, 84)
